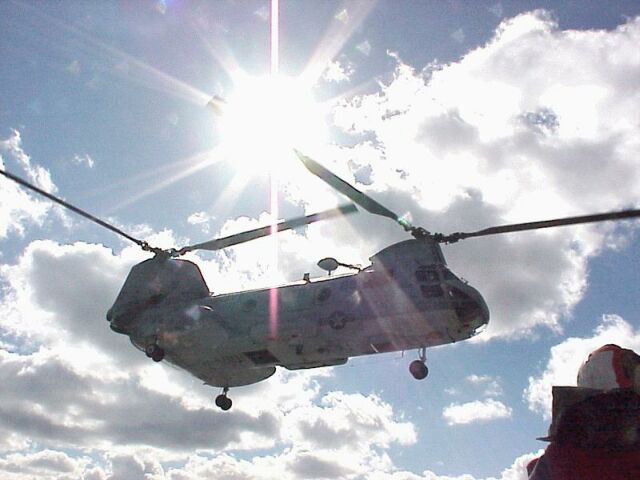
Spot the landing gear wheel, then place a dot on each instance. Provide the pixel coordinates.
(222, 401)
(418, 369)
(154, 352)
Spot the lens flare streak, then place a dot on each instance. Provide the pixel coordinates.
(273, 294)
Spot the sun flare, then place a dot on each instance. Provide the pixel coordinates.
(265, 118)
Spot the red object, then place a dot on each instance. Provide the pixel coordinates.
(607, 368)
(563, 462)
(531, 465)
(596, 438)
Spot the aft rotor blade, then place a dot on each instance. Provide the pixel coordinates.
(558, 222)
(75, 209)
(360, 198)
(247, 236)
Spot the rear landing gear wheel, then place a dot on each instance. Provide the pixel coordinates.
(418, 369)
(222, 401)
(154, 352)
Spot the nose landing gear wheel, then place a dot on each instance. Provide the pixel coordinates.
(222, 401)
(154, 352)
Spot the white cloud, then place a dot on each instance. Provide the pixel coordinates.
(476, 379)
(261, 263)
(57, 297)
(338, 71)
(37, 174)
(342, 15)
(566, 358)
(497, 10)
(41, 464)
(173, 118)
(85, 160)
(458, 35)
(518, 470)
(263, 13)
(18, 208)
(288, 465)
(53, 401)
(498, 137)
(364, 48)
(79, 384)
(491, 386)
(476, 411)
(161, 6)
(74, 67)
(202, 219)
(198, 217)
(349, 422)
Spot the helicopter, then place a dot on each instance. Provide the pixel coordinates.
(406, 299)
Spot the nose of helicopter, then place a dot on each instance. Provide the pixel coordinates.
(471, 308)
(114, 324)
(484, 308)
(481, 312)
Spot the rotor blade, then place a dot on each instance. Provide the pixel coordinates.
(247, 236)
(558, 222)
(74, 209)
(360, 198)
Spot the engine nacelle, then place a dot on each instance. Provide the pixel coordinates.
(154, 281)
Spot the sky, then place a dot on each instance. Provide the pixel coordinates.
(461, 115)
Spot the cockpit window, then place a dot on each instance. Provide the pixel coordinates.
(427, 275)
(457, 294)
(448, 275)
(155, 299)
(431, 291)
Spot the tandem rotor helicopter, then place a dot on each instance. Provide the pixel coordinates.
(406, 299)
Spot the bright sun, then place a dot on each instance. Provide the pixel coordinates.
(266, 118)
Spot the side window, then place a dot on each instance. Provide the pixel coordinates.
(427, 275)
(448, 275)
(458, 294)
(431, 291)
(155, 299)
(249, 305)
(323, 295)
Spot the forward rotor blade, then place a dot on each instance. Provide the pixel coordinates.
(247, 236)
(77, 210)
(360, 198)
(558, 222)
